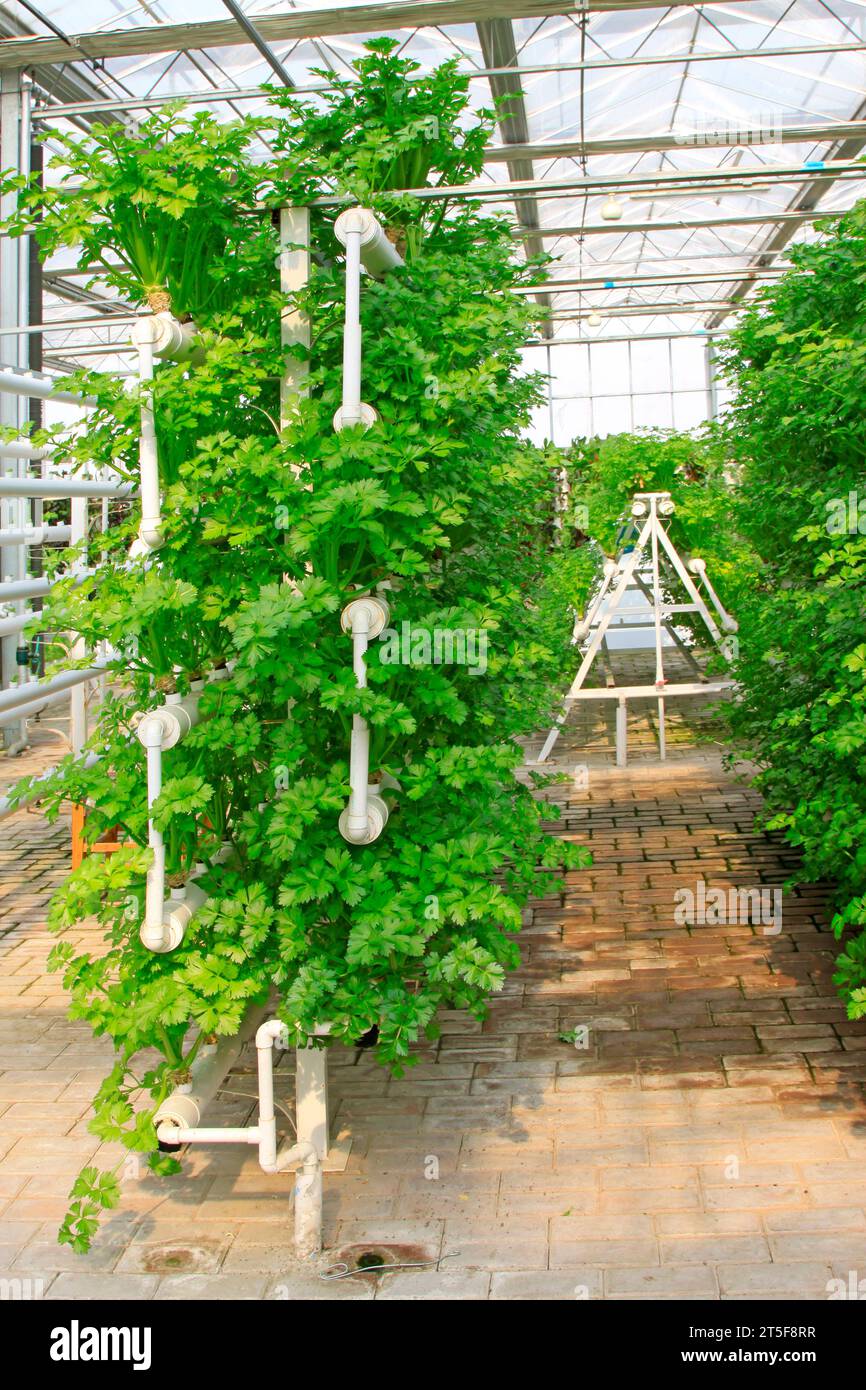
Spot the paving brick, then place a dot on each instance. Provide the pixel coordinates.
(668, 1282)
(527, 1285)
(113, 1287)
(806, 1280)
(563, 1173)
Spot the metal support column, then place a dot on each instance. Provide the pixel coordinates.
(14, 511)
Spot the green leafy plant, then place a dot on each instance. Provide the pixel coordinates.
(166, 219)
(798, 429)
(269, 529)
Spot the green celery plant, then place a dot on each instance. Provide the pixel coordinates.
(268, 532)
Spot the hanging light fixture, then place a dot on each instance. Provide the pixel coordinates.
(593, 320)
(611, 210)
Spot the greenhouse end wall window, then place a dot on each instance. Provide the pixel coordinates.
(608, 387)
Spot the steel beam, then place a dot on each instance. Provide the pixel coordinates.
(735, 135)
(625, 282)
(672, 181)
(698, 333)
(211, 95)
(496, 37)
(680, 224)
(305, 24)
(617, 311)
(807, 198)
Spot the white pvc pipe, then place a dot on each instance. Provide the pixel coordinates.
(359, 756)
(55, 685)
(184, 1108)
(351, 411)
(366, 815)
(64, 487)
(364, 240)
(39, 387)
(177, 1121)
(699, 567)
(158, 335)
(32, 707)
(36, 535)
(16, 622)
(201, 1134)
(17, 449)
(378, 254)
(37, 587)
(150, 529)
(163, 927)
(153, 932)
(308, 1188)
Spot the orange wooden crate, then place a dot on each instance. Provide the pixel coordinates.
(79, 848)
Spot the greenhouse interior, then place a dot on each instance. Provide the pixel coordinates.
(433, 708)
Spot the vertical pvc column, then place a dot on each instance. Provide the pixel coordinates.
(311, 1098)
(621, 733)
(657, 594)
(311, 1064)
(150, 530)
(351, 411)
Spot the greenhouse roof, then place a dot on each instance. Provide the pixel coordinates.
(717, 132)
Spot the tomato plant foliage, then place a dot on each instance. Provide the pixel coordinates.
(270, 528)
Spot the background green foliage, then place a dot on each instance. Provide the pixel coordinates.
(798, 428)
(774, 498)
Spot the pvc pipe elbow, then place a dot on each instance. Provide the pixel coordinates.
(364, 830)
(150, 533)
(378, 254)
(166, 726)
(366, 616)
(168, 337)
(302, 1152)
(181, 1111)
(163, 938)
(151, 731)
(367, 417)
(273, 1033)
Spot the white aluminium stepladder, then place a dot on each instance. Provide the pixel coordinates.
(650, 558)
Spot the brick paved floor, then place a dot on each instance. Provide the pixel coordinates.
(708, 1141)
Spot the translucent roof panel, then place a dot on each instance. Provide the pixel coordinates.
(708, 125)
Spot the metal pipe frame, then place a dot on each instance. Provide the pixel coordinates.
(258, 42)
(51, 111)
(14, 268)
(303, 24)
(625, 282)
(55, 685)
(17, 381)
(725, 138)
(108, 319)
(697, 334)
(677, 224)
(615, 311)
(671, 180)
